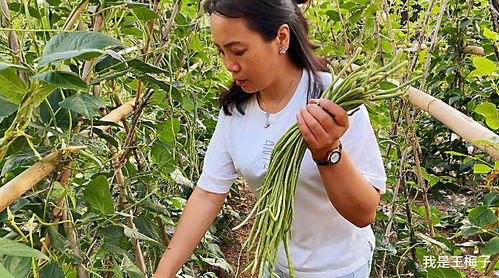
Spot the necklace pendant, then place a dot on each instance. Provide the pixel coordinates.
(267, 123)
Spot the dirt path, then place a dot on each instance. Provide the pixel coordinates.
(243, 205)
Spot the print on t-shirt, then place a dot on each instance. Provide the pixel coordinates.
(267, 150)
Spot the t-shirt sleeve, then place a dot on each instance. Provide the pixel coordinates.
(360, 143)
(218, 172)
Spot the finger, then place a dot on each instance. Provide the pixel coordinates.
(323, 117)
(307, 134)
(340, 115)
(314, 125)
(313, 101)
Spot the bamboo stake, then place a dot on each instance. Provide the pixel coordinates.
(73, 242)
(139, 257)
(75, 15)
(114, 116)
(477, 50)
(16, 187)
(13, 40)
(433, 43)
(494, 6)
(461, 124)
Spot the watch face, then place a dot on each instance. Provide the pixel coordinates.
(335, 157)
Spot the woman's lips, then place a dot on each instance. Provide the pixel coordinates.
(240, 82)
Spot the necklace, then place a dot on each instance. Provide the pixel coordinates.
(267, 113)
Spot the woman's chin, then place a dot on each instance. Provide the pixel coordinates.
(248, 90)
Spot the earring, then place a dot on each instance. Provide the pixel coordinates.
(282, 50)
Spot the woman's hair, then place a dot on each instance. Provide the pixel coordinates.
(266, 17)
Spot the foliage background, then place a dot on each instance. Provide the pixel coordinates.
(109, 210)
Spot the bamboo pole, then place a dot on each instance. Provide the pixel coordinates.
(461, 124)
(114, 116)
(16, 187)
(477, 50)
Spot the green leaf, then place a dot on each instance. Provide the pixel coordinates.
(62, 79)
(167, 131)
(58, 191)
(8, 108)
(443, 273)
(117, 271)
(42, 93)
(218, 262)
(496, 165)
(144, 13)
(162, 156)
(480, 168)
(85, 104)
(492, 247)
(489, 34)
(493, 122)
(148, 228)
(132, 233)
(57, 240)
(455, 153)
(482, 216)
(22, 157)
(144, 67)
(486, 109)
(4, 272)
(84, 45)
(14, 248)
(131, 269)
(11, 86)
(491, 199)
(98, 196)
(52, 270)
(4, 66)
(483, 66)
(17, 266)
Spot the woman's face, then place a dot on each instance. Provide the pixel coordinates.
(251, 60)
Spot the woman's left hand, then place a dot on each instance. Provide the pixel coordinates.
(322, 131)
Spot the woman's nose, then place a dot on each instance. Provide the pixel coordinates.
(231, 65)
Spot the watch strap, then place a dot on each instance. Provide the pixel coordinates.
(328, 159)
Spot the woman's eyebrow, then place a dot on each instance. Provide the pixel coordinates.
(229, 44)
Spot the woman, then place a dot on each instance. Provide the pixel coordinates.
(277, 79)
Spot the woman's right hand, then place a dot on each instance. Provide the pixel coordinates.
(199, 212)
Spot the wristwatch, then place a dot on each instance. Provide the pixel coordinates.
(333, 157)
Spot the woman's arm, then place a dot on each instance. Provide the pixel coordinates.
(348, 190)
(199, 213)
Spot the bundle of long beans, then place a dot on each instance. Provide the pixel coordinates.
(274, 209)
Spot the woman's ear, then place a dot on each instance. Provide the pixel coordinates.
(284, 36)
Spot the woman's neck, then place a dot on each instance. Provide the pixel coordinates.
(275, 97)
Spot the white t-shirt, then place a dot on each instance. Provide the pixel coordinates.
(323, 244)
